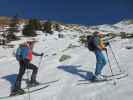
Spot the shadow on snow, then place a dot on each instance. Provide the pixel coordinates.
(11, 78)
(87, 75)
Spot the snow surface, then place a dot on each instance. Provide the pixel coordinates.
(122, 26)
(69, 73)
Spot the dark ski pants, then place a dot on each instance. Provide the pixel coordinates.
(23, 66)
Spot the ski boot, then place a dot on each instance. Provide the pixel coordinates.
(17, 92)
(33, 83)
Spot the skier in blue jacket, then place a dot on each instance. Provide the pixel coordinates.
(24, 57)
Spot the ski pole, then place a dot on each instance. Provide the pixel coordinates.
(40, 61)
(110, 67)
(28, 76)
(109, 64)
(41, 58)
(115, 58)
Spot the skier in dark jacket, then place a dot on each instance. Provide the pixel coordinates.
(97, 46)
(24, 57)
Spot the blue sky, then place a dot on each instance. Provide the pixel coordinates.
(88, 12)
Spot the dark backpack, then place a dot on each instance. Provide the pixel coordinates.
(90, 43)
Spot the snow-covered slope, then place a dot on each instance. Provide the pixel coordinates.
(69, 73)
(122, 26)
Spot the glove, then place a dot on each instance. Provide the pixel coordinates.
(41, 54)
(107, 43)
